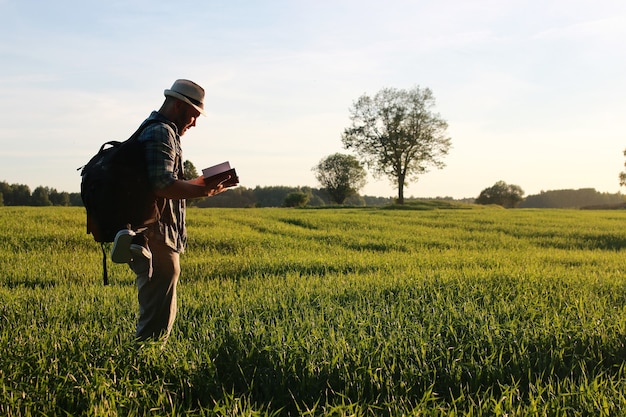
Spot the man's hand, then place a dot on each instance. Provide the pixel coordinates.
(212, 187)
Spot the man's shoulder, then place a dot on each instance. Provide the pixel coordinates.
(156, 127)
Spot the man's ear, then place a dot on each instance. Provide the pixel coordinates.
(178, 105)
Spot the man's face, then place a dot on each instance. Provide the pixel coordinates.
(187, 118)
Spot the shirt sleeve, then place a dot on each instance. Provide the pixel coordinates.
(161, 150)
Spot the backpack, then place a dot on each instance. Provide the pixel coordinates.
(116, 191)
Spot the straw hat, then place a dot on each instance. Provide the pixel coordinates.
(189, 92)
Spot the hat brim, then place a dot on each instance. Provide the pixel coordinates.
(185, 99)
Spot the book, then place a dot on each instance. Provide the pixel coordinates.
(221, 171)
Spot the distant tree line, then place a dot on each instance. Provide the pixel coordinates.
(20, 195)
(511, 196)
(274, 196)
(284, 196)
(581, 198)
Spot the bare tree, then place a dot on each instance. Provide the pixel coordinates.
(397, 135)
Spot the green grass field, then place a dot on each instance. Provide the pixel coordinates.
(431, 311)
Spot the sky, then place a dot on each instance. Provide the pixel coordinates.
(534, 91)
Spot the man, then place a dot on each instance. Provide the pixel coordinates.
(154, 254)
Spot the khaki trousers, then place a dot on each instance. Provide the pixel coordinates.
(156, 291)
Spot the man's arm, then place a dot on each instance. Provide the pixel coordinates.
(196, 188)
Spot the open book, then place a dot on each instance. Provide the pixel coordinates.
(221, 171)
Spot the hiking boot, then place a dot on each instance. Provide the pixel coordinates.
(139, 247)
(121, 252)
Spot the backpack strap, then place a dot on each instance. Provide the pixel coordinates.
(111, 142)
(105, 275)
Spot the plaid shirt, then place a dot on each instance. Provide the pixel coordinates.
(164, 159)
